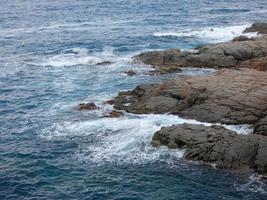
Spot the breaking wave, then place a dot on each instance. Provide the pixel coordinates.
(123, 140)
(81, 56)
(213, 34)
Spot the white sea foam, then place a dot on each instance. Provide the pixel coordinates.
(254, 184)
(122, 140)
(81, 56)
(212, 34)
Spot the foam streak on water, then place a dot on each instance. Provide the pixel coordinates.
(211, 34)
(125, 140)
(50, 61)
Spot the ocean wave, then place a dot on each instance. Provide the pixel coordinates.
(123, 140)
(81, 56)
(254, 184)
(75, 26)
(212, 34)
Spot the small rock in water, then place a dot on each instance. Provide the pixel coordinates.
(87, 106)
(110, 102)
(241, 38)
(104, 63)
(130, 73)
(114, 114)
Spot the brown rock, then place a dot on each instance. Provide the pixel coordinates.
(110, 102)
(86, 106)
(229, 97)
(222, 55)
(216, 145)
(115, 114)
(259, 64)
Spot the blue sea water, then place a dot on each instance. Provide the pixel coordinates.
(49, 52)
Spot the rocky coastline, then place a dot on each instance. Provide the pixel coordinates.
(236, 94)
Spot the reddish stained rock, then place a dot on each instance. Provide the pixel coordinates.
(259, 64)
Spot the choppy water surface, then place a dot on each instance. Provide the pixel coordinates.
(49, 52)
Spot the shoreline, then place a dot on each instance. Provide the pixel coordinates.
(241, 100)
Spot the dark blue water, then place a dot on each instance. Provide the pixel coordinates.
(49, 52)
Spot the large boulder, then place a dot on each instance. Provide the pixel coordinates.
(257, 27)
(222, 55)
(229, 97)
(216, 145)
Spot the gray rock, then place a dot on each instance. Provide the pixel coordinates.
(222, 55)
(257, 27)
(261, 127)
(216, 145)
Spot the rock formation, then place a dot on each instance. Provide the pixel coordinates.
(86, 106)
(229, 97)
(257, 27)
(216, 145)
(222, 55)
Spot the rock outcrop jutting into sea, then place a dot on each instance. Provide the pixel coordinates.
(232, 54)
(236, 95)
(216, 145)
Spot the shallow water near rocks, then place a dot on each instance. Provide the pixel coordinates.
(49, 55)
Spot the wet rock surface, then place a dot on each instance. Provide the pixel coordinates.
(216, 145)
(257, 27)
(229, 97)
(110, 102)
(87, 106)
(130, 73)
(222, 55)
(114, 114)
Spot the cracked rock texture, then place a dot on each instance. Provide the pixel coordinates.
(229, 97)
(223, 55)
(216, 145)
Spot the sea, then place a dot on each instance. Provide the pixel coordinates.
(55, 54)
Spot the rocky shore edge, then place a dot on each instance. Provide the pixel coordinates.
(236, 94)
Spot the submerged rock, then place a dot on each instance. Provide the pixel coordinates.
(86, 106)
(115, 114)
(222, 55)
(216, 145)
(130, 73)
(110, 102)
(104, 63)
(229, 97)
(257, 27)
